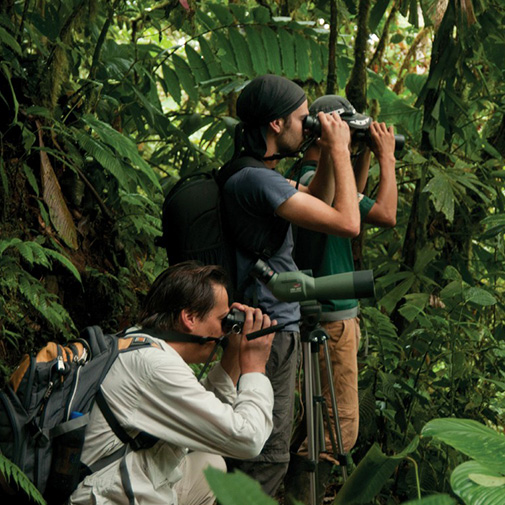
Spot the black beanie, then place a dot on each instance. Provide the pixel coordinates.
(264, 99)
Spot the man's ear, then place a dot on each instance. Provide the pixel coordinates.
(277, 125)
(187, 321)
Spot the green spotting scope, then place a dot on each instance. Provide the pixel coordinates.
(297, 286)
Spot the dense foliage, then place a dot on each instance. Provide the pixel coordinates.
(104, 105)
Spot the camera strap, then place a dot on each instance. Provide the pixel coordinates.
(174, 336)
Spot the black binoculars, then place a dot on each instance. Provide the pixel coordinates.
(312, 124)
(233, 322)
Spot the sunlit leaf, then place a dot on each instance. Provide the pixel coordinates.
(479, 484)
(471, 438)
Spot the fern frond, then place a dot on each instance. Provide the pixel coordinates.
(105, 157)
(12, 472)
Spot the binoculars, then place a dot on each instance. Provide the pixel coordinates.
(233, 322)
(313, 125)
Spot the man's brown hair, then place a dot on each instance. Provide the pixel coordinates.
(188, 285)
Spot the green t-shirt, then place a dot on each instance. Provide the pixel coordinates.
(337, 256)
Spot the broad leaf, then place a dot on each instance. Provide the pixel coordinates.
(370, 475)
(478, 484)
(471, 438)
(479, 297)
(235, 488)
(442, 194)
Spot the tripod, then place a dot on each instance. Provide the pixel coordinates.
(313, 336)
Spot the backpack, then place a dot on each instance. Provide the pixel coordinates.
(197, 227)
(46, 406)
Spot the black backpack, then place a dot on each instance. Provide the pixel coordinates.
(45, 408)
(197, 227)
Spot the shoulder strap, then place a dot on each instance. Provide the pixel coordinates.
(233, 166)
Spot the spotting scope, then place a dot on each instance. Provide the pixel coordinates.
(297, 286)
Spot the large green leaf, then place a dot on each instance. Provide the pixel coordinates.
(478, 484)
(372, 472)
(479, 296)
(471, 438)
(442, 194)
(236, 488)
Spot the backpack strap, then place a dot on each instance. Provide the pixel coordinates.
(279, 228)
(233, 166)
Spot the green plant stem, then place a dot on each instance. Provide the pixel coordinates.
(416, 470)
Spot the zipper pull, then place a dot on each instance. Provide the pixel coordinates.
(60, 365)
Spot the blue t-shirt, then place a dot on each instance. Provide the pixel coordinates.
(251, 198)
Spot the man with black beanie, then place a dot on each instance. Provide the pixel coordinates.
(258, 200)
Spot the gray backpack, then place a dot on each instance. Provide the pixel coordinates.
(45, 408)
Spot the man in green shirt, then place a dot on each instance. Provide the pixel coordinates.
(330, 254)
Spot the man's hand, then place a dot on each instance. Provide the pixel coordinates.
(335, 133)
(242, 356)
(383, 140)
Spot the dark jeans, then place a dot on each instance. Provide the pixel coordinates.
(271, 465)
